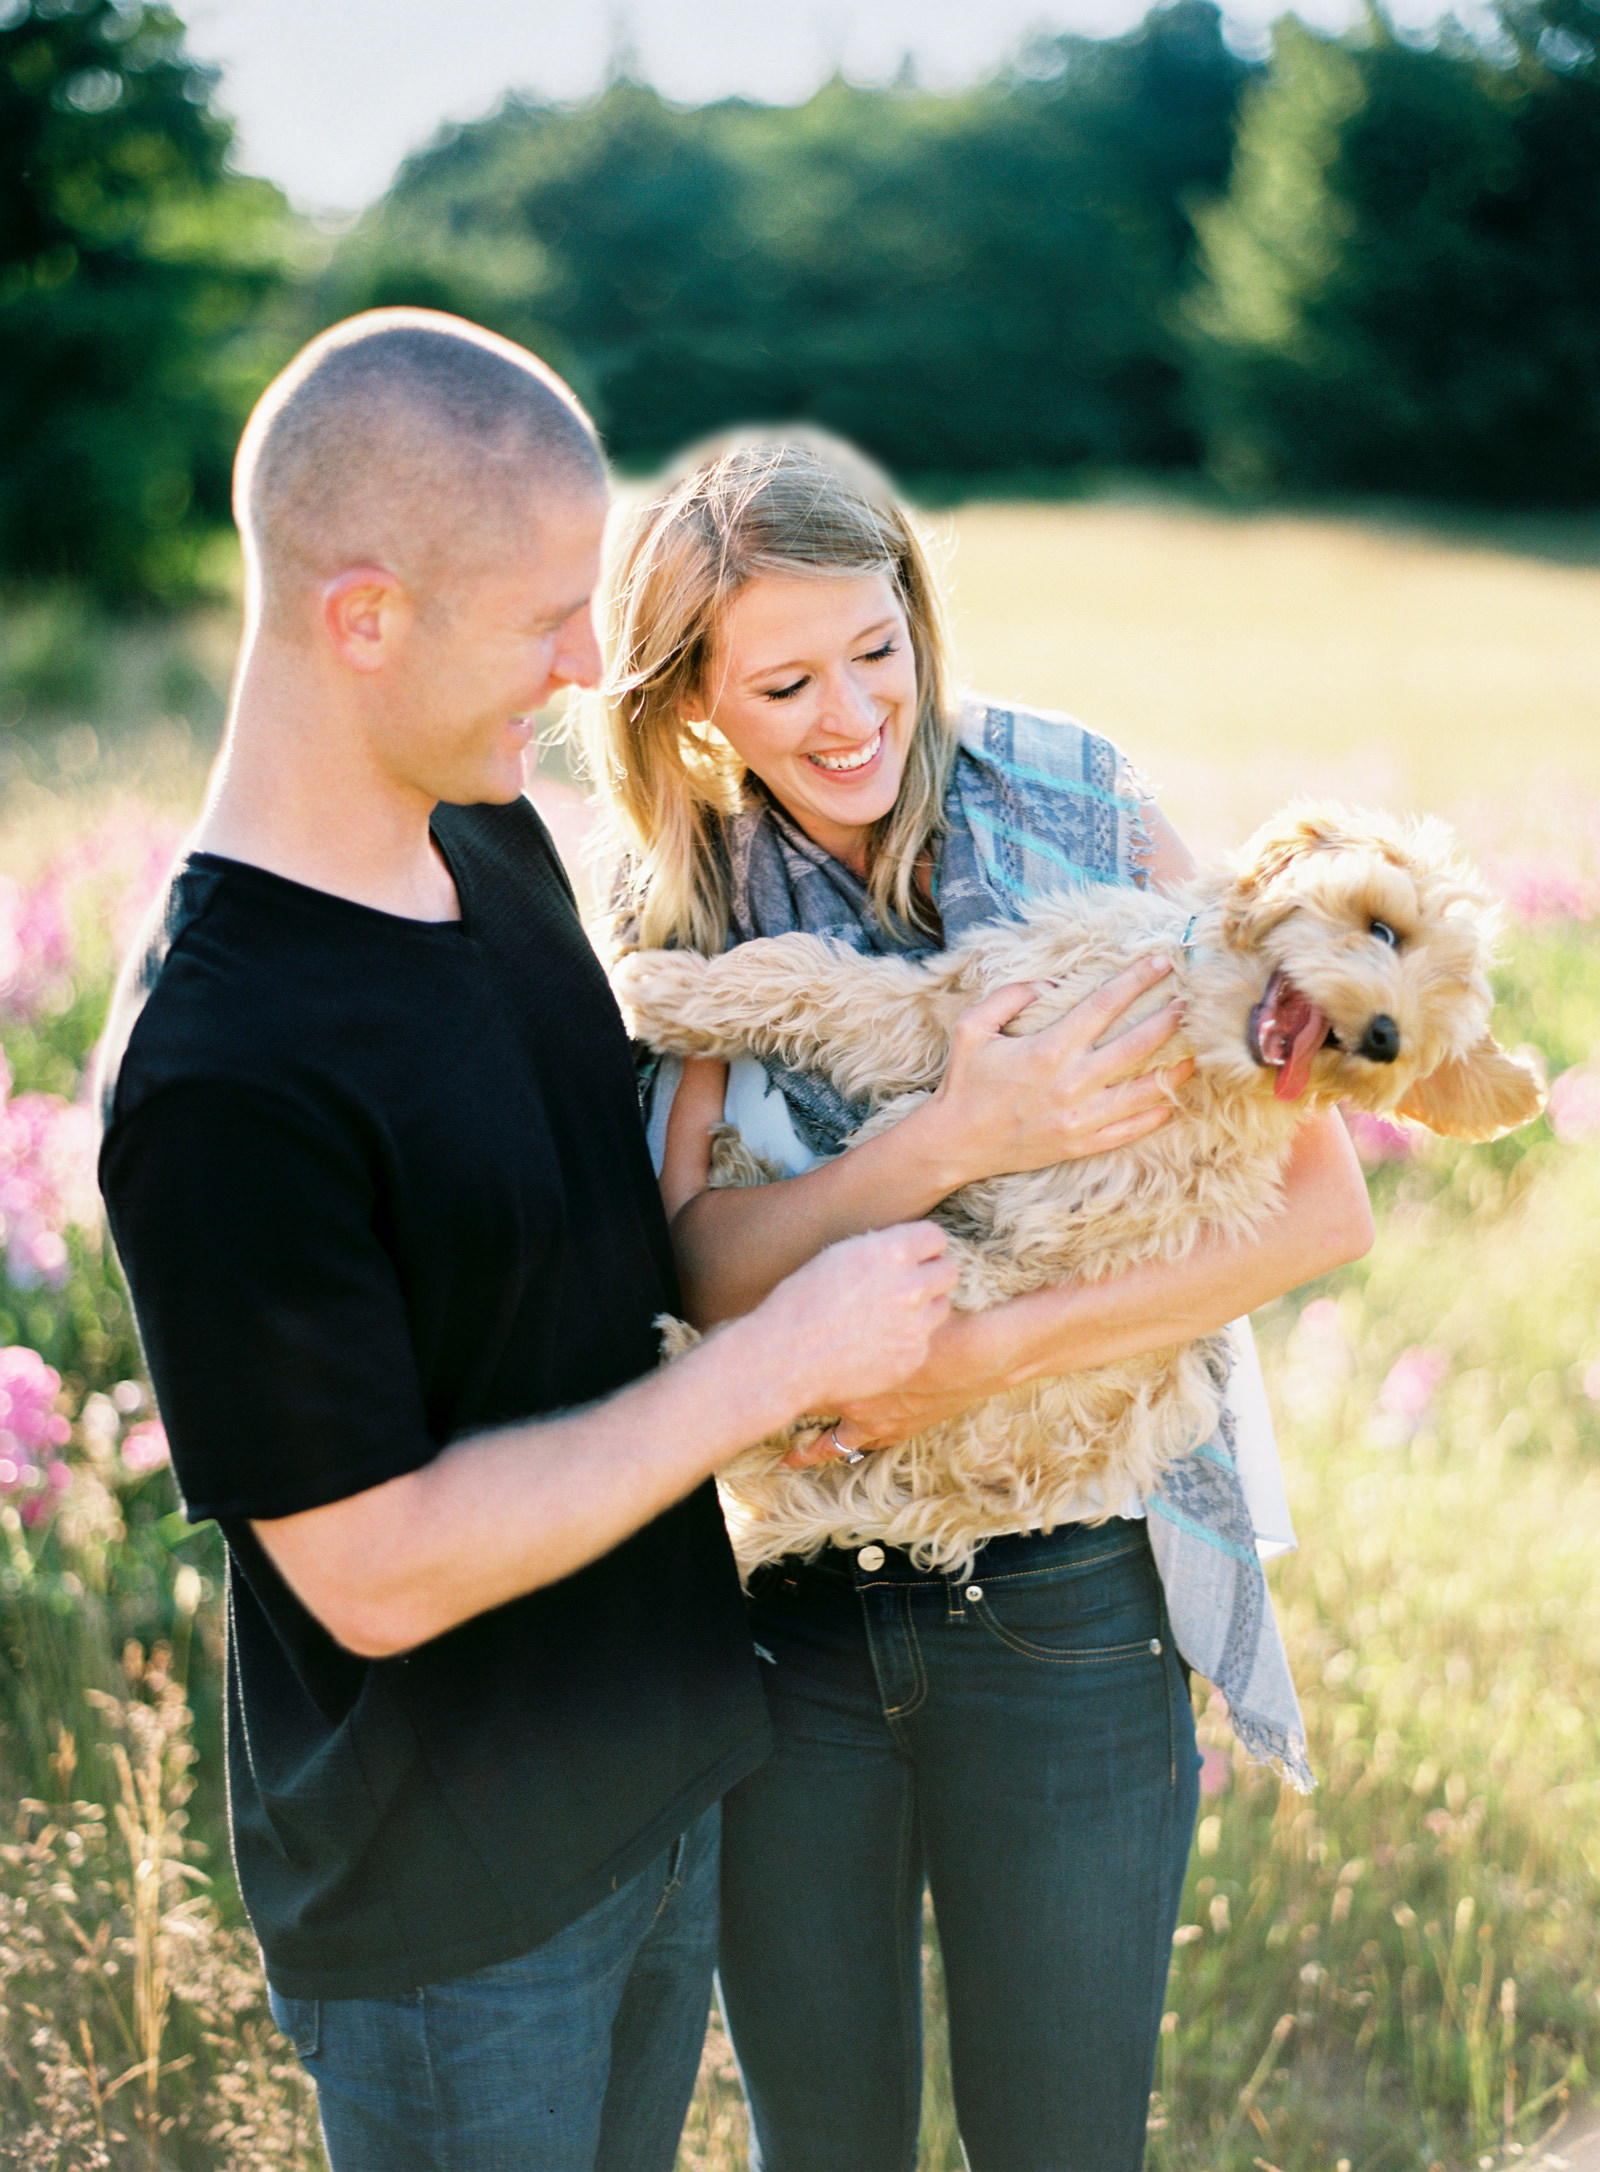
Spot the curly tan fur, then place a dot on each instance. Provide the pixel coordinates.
(1305, 914)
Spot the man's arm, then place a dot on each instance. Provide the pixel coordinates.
(503, 1513)
(282, 1350)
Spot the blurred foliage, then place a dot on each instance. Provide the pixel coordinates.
(1367, 263)
(970, 284)
(135, 273)
(1403, 283)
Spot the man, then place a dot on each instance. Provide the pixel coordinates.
(373, 1166)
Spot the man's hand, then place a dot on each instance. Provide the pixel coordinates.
(966, 1363)
(859, 1318)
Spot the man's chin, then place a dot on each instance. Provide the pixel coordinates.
(497, 789)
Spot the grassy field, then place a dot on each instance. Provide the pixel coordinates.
(1402, 1970)
(1242, 661)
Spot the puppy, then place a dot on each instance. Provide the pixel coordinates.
(1341, 957)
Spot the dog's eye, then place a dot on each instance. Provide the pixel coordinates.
(1385, 934)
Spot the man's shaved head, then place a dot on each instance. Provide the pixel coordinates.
(408, 440)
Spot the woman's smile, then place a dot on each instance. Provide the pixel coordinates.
(852, 763)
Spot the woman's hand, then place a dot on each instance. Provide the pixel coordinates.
(1009, 1102)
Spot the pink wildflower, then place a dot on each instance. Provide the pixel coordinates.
(29, 1420)
(144, 1447)
(1535, 886)
(47, 1184)
(1378, 1138)
(31, 1426)
(1216, 1772)
(1319, 1322)
(1414, 1379)
(35, 946)
(96, 890)
(1574, 1108)
(1319, 1363)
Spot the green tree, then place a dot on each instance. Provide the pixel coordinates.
(133, 270)
(1402, 286)
(968, 284)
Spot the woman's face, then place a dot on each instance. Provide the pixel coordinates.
(814, 686)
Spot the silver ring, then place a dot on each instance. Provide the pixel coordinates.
(847, 1455)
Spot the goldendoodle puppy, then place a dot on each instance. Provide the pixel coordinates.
(1341, 957)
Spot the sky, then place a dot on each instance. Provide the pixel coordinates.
(330, 95)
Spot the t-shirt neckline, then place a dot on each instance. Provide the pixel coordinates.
(334, 901)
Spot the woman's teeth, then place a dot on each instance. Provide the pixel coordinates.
(842, 764)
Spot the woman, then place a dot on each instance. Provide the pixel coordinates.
(780, 751)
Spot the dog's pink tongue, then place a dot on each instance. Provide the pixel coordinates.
(1302, 1026)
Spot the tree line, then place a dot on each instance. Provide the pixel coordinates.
(1363, 263)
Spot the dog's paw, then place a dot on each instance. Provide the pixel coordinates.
(734, 1165)
(676, 1336)
(656, 990)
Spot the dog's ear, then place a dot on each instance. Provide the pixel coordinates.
(1278, 842)
(1477, 1096)
(1251, 905)
(1316, 825)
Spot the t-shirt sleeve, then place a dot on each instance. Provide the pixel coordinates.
(271, 1315)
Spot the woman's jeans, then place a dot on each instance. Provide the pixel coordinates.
(1022, 1741)
(579, 2056)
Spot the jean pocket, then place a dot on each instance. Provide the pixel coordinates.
(1102, 1608)
(300, 2020)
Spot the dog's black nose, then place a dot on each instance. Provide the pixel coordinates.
(1381, 1041)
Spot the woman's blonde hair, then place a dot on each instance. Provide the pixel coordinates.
(792, 505)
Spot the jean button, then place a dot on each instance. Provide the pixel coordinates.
(870, 1557)
(974, 1593)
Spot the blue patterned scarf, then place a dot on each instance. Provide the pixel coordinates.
(1036, 804)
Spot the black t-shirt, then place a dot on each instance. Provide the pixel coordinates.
(378, 1183)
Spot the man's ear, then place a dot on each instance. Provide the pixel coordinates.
(366, 611)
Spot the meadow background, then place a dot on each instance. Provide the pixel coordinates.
(1402, 1970)
(1253, 387)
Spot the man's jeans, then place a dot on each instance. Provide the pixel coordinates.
(1021, 1740)
(581, 2054)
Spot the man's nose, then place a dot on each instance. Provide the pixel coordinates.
(578, 661)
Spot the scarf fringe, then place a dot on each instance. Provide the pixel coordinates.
(1265, 1744)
